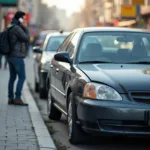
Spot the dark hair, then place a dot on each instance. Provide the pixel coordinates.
(19, 14)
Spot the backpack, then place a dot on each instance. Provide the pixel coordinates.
(5, 45)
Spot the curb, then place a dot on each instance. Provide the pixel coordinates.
(44, 139)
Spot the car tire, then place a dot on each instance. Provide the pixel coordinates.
(76, 135)
(43, 93)
(42, 90)
(53, 112)
(36, 86)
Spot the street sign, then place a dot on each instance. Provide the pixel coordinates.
(8, 2)
(128, 11)
(138, 2)
(27, 17)
(10, 16)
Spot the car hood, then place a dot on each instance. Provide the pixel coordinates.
(124, 78)
(47, 56)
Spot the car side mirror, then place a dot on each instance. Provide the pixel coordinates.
(63, 57)
(37, 49)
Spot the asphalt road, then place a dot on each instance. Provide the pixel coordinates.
(59, 128)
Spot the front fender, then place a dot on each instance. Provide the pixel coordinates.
(76, 86)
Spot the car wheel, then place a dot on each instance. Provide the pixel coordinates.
(74, 130)
(36, 86)
(53, 112)
(42, 88)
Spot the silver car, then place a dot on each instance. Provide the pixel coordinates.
(42, 59)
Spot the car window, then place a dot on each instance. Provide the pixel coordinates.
(115, 46)
(89, 39)
(65, 43)
(54, 43)
(42, 36)
(147, 45)
(73, 43)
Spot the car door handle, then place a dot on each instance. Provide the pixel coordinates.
(57, 70)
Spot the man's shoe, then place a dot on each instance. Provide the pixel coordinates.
(19, 102)
(10, 102)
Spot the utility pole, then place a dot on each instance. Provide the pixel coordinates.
(104, 12)
(138, 11)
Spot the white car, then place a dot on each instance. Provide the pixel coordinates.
(43, 57)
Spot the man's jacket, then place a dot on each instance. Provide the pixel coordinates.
(19, 37)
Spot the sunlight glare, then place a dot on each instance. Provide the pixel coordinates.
(69, 5)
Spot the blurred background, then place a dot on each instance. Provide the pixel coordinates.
(68, 14)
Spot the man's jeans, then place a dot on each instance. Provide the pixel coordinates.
(16, 68)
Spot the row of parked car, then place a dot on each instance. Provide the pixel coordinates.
(99, 78)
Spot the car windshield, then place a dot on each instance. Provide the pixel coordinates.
(54, 43)
(115, 47)
(43, 36)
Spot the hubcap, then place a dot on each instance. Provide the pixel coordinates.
(70, 119)
(49, 102)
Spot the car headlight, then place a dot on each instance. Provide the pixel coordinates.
(100, 92)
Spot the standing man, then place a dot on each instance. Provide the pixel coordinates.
(19, 37)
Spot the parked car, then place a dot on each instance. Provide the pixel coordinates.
(43, 58)
(101, 88)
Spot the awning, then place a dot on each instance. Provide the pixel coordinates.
(126, 23)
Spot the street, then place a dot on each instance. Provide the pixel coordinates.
(59, 128)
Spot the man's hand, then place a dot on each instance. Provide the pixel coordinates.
(24, 24)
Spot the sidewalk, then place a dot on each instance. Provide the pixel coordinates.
(16, 129)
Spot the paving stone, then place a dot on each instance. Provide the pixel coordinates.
(15, 148)
(11, 144)
(32, 140)
(33, 148)
(25, 145)
(11, 140)
(2, 143)
(2, 148)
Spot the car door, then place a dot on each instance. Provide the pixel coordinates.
(54, 67)
(39, 56)
(37, 59)
(63, 72)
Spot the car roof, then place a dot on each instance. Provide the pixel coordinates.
(48, 31)
(58, 34)
(94, 29)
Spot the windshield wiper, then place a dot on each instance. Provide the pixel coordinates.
(94, 62)
(138, 62)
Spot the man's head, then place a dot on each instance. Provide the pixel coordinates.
(20, 17)
(19, 14)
